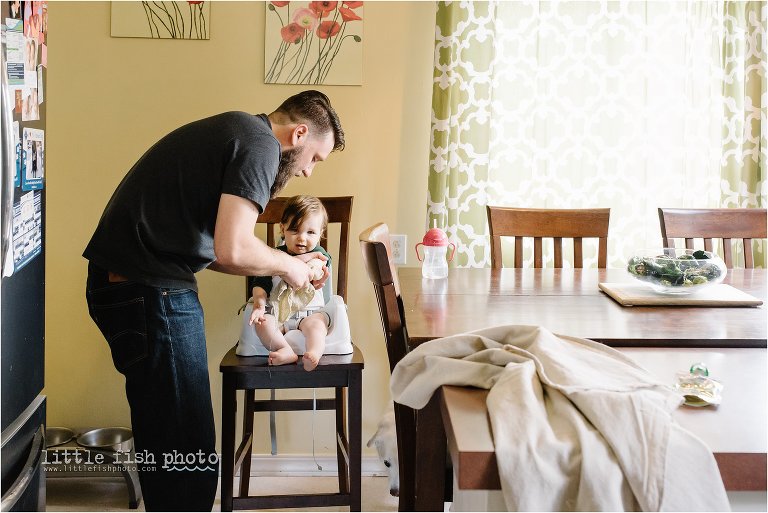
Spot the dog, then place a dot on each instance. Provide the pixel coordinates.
(385, 441)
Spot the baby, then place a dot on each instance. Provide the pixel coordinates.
(303, 222)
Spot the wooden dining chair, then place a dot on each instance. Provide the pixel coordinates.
(377, 258)
(725, 224)
(343, 373)
(548, 223)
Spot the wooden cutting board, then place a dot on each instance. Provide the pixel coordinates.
(637, 294)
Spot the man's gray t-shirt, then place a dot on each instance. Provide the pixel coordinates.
(158, 227)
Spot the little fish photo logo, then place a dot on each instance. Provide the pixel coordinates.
(190, 461)
(80, 460)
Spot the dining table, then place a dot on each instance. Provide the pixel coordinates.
(570, 302)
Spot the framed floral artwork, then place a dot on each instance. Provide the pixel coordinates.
(161, 20)
(314, 43)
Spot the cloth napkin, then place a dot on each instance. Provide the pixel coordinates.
(286, 301)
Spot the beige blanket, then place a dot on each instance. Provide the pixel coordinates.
(576, 425)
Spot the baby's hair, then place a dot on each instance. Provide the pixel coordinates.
(298, 208)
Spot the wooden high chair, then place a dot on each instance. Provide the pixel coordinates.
(343, 373)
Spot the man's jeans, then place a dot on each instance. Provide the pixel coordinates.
(157, 340)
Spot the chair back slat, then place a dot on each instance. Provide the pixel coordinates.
(558, 243)
(339, 212)
(341, 279)
(557, 224)
(727, 252)
(578, 258)
(749, 259)
(715, 224)
(537, 258)
(602, 255)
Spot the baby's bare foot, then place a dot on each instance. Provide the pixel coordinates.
(311, 360)
(282, 356)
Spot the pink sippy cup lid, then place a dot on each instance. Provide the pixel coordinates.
(435, 237)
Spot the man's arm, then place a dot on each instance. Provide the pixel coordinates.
(238, 251)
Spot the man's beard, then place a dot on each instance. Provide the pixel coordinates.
(285, 170)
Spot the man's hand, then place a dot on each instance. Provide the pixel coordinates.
(298, 274)
(306, 257)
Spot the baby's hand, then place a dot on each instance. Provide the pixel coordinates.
(318, 267)
(257, 316)
(321, 278)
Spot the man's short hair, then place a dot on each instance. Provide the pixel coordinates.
(314, 108)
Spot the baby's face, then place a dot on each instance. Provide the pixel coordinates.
(306, 237)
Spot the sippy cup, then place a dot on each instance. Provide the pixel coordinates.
(435, 244)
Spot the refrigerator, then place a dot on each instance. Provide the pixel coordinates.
(22, 261)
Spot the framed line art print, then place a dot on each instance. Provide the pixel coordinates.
(161, 20)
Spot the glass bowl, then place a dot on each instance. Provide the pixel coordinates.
(677, 271)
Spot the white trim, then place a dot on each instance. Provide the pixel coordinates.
(264, 465)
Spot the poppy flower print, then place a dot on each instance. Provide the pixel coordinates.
(313, 43)
(348, 14)
(292, 33)
(328, 29)
(323, 8)
(306, 18)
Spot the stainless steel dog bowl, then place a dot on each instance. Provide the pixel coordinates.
(57, 435)
(107, 439)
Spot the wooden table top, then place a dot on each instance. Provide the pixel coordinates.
(569, 302)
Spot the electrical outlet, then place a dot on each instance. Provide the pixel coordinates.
(399, 248)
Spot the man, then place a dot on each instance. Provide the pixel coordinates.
(190, 203)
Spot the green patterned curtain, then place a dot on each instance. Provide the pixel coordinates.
(461, 99)
(745, 146)
(627, 105)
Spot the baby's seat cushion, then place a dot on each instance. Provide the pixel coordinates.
(338, 340)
